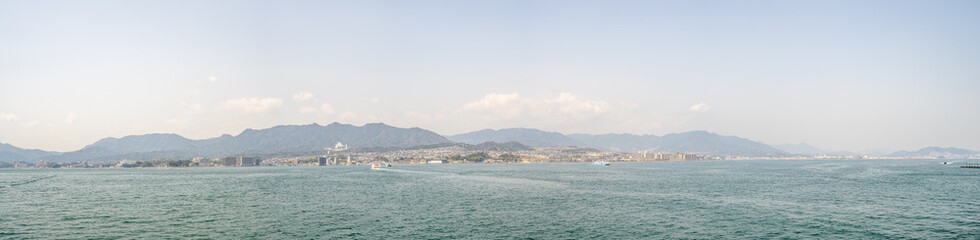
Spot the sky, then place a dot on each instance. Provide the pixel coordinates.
(839, 75)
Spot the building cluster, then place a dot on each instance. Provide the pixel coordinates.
(645, 156)
(240, 161)
(442, 155)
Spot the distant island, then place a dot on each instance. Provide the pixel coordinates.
(343, 144)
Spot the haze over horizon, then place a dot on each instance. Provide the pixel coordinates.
(839, 75)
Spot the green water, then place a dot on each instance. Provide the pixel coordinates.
(713, 199)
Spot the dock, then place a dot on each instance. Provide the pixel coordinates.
(971, 165)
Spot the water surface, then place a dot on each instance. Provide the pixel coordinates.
(709, 199)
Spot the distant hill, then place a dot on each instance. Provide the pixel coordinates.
(278, 139)
(799, 148)
(486, 146)
(511, 146)
(692, 142)
(617, 142)
(10, 153)
(526, 136)
(809, 150)
(314, 137)
(294, 140)
(143, 143)
(710, 143)
(938, 152)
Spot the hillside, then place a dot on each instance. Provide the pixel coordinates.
(526, 136)
(937, 152)
(278, 139)
(692, 142)
(710, 143)
(11, 153)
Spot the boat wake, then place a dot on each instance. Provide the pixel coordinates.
(27, 182)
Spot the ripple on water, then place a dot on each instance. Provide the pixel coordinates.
(737, 199)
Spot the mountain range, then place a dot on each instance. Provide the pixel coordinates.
(10, 153)
(297, 140)
(937, 152)
(702, 142)
(526, 136)
(276, 140)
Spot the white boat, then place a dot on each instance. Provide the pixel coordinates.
(379, 166)
(948, 162)
(600, 163)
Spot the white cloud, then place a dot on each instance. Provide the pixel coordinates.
(31, 123)
(494, 100)
(700, 107)
(326, 109)
(302, 96)
(253, 105)
(10, 117)
(562, 112)
(71, 118)
(212, 79)
(568, 103)
(506, 106)
(15, 119)
(375, 100)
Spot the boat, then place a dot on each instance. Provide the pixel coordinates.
(600, 163)
(379, 166)
(948, 162)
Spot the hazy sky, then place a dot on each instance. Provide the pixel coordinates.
(840, 75)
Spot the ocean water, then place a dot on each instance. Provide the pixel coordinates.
(702, 200)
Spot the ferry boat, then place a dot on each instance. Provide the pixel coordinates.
(600, 163)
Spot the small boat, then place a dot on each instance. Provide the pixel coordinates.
(948, 162)
(600, 163)
(379, 166)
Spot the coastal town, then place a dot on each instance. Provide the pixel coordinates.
(339, 144)
(493, 153)
(340, 155)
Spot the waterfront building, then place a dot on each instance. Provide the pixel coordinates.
(644, 156)
(241, 161)
(437, 161)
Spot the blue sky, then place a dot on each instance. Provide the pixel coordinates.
(841, 75)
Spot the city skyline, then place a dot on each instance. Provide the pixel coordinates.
(855, 76)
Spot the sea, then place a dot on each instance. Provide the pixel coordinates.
(752, 199)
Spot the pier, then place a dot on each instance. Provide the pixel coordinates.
(971, 165)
